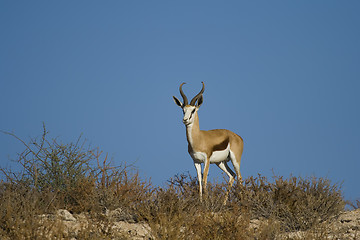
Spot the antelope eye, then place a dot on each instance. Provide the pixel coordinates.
(193, 111)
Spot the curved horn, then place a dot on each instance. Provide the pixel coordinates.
(192, 103)
(183, 95)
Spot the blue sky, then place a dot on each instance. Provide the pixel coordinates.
(285, 75)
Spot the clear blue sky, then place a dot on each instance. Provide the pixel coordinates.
(285, 75)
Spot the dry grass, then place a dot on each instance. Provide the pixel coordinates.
(80, 179)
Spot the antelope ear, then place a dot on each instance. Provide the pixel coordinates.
(199, 101)
(178, 102)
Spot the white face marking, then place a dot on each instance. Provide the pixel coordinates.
(189, 114)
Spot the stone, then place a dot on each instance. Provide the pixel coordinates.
(65, 215)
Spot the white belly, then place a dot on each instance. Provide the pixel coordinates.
(216, 157)
(220, 156)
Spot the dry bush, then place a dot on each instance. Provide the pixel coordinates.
(175, 212)
(357, 204)
(60, 173)
(354, 204)
(63, 176)
(119, 186)
(17, 203)
(222, 225)
(283, 205)
(297, 203)
(167, 211)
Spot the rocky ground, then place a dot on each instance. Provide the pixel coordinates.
(121, 225)
(117, 223)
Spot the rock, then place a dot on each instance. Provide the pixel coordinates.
(136, 231)
(350, 217)
(346, 226)
(120, 215)
(65, 215)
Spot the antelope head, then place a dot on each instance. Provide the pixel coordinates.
(191, 109)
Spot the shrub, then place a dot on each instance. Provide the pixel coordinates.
(63, 176)
(61, 172)
(297, 203)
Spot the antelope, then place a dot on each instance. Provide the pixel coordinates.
(213, 146)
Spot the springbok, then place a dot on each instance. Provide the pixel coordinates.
(214, 146)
